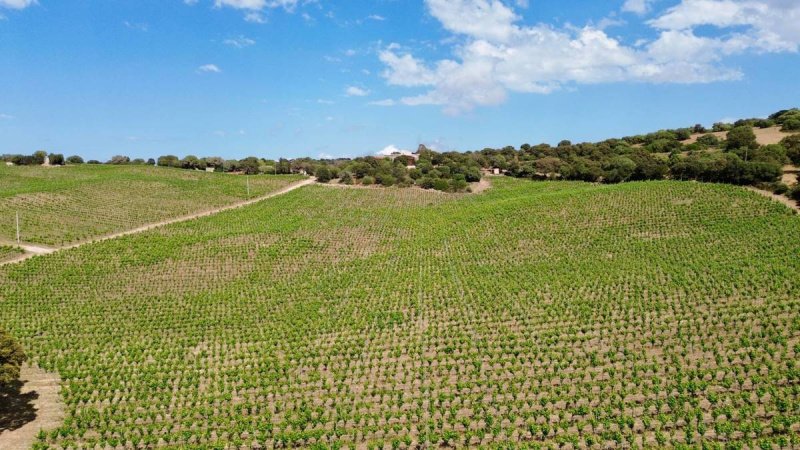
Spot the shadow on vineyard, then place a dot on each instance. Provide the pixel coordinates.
(16, 408)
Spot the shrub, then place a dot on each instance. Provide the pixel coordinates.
(792, 146)
(792, 124)
(618, 169)
(11, 358)
(56, 159)
(168, 161)
(780, 188)
(741, 137)
(441, 184)
(710, 140)
(323, 174)
(368, 181)
(794, 193)
(346, 178)
(74, 159)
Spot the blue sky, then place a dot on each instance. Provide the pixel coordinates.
(325, 78)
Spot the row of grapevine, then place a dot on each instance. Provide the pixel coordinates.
(533, 315)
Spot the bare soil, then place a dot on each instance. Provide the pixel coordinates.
(764, 136)
(32, 405)
(481, 186)
(790, 175)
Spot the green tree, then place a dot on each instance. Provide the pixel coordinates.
(11, 358)
(74, 159)
(792, 146)
(168, 161)
(324, 174)
(618, 169)
(741, 137)
(39, 157)
(56, 159)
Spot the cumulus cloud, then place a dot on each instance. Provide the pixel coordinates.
(209, 68)
(494, 54)
(393, 150)
(17, 4)
(355, 91)
(239, 42)
(637, 6)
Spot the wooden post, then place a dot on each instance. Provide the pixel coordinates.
(17, 227)
(248, 185)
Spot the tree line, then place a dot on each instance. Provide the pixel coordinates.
(666, 154)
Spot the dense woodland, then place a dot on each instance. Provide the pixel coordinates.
(664, 154)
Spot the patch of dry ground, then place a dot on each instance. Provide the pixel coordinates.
(35, 405)
(764, 136)
(790, 175)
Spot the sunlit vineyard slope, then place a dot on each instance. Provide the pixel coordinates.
(533, 314)
(60, 205)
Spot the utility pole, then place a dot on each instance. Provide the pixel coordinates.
(17, 227)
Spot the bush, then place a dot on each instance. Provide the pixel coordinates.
(425, 183)
(56, 159)
(792, 146)
(119, 160)
(794, 193)
(11, 358)
(710, 140)
(74, 159)
(741, 137)
(346, 178)
(323, 174)
(792, 124)
(780, 188)
(169, 161)
(441, 185)
(368, 181)
(618, 169)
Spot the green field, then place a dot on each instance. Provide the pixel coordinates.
(8, 252)
(534, 314)
(61, 205)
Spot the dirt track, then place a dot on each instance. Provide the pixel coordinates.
(36, 406)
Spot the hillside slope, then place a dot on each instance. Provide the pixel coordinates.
(61, 205)
(658, 313)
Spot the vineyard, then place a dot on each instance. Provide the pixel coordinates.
(63, 205)
(535, 314)
(8, 253)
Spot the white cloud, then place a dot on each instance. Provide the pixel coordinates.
(481, 19)
(258, 5)
(392, 150)
(323, 101)
(143, 27)
(17, 4)
(386, 102)
(494, 55)
(637, 6)
(355, 91)
(769, 25)
(239, 42)
(6, 117)
(376, 17)
(209, 68)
